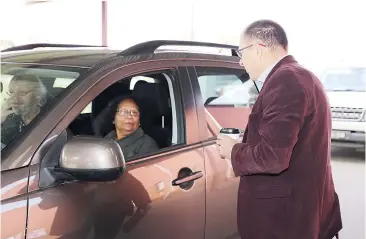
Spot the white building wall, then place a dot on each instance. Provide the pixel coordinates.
(131, 22)
(54, 21)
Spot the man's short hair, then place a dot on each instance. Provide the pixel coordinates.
(269, 32)
(40, 87)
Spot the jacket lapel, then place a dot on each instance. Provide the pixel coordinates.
(256, 107)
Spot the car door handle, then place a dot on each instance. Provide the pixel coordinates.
(189, 178)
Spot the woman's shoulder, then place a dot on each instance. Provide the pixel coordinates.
(148, 140)
(111, 135)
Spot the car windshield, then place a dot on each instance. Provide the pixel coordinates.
(25, 91)
(352, 79)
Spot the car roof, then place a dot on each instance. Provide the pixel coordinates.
(86, 57)
(78, 57)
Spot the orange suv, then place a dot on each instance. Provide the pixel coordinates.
(62, 178)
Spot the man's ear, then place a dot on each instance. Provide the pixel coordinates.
(41, 101)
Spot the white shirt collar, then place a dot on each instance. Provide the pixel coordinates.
(262, 78)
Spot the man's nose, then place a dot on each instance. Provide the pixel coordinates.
(15, 97)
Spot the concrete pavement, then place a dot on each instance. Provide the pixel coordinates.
(348, 167)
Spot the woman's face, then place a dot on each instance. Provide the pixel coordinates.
(127, 118)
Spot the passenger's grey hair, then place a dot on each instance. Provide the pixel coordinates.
(269, 32)
(40, 87)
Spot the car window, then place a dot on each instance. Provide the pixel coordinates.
(26, 91)
(135, 79)
(226, 92)
(65, 82)
(5, 79)
(349, 79)
(154, 113)
(236, 93)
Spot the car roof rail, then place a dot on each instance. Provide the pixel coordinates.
(150, 47)
(39, 45)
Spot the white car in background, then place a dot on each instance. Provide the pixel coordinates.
(346, 92)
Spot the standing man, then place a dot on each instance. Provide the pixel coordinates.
(286, 187)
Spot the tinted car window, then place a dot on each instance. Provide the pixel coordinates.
(65, 82)
(226, 92)
(226, 88)
(26, 91)
(237, 93)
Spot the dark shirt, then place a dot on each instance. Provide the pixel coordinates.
(11, 127)
(134, 144)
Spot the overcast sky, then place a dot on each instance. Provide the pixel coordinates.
(323, 32)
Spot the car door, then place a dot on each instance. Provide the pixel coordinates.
(224, 96)
(143, 202)
(14, 203)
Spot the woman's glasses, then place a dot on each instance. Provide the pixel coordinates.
(125, 113)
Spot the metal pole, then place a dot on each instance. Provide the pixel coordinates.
(192, 21)
(104, 24)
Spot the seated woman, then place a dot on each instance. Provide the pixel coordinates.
(128, 133)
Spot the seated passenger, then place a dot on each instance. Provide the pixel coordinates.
(27, 95)
(128, 133)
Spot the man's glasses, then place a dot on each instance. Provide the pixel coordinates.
(125, 113)
(19, 93)
(239, 51)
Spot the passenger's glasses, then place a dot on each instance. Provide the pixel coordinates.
(125, 113)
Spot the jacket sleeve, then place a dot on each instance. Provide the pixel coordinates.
(283, 104)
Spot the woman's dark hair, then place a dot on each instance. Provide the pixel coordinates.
(103, 124)
(119, 99)
(115, 103)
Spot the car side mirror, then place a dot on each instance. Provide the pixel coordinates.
(92, 159)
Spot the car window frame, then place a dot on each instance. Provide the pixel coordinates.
(86, 94)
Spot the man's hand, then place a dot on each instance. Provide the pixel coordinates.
(6, 110)
(225, 144)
